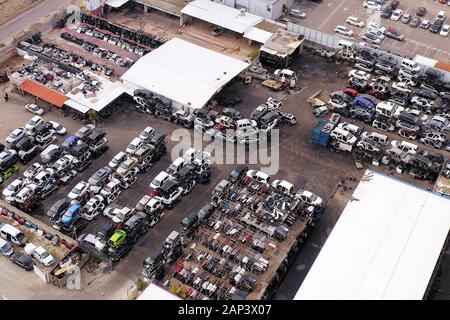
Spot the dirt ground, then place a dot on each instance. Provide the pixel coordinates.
(11, 8)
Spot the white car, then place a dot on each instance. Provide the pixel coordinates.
(359, 74)
(117, 160)
(396, 15)
(11, 190)
(355, 22)
(147, 133)
(374, 25)
(401, 86)
(33, 170)
(343, 30)
(372, 5)
(297, 13)
(64, 163)
(404, 146)
(59, 129)
(445, 30)
(134, 145)
(79, 191)
(34, 108)
(40, 254)
(309, 198)
(33, 123)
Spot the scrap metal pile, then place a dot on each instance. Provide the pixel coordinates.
(241, 244)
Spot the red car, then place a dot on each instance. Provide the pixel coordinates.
(395, 4)
(443, 1)
(351, 92)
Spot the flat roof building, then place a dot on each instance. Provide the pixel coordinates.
(385, 245)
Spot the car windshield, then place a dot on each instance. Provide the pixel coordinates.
(313, 197)
(132, 146)
(76, 190)
(6, 247)
(125, 165)
(31, 122)
(11, 187)
(20, 237)
(44, 255)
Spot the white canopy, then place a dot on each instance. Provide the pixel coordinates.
(257, 35)
(154, 292)
(385, 245)
(116, 3)
(183, 72)
(221, 15)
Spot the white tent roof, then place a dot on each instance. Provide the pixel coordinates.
(385, 245)
(221, 15)
(153, 292)
(116, 3)
(184, 72)
(108, 92)
(257, 35)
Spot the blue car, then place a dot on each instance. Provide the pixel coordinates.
(363, 103)
(69, 143)
(71, 214)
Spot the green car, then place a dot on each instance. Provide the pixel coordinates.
(5, 175)
(117, 238)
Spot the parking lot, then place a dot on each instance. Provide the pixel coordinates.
(327, 15)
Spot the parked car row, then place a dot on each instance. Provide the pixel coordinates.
(10, 237)
(229, 125)
(58, 164)
(88, 199)
(371, 147)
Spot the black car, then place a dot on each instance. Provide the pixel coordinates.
(190, 222)
(26, 149)
(394, 34)
(238, 173)
(387, 12)
(57, 209)
(99, 178)
(2, 147)
(229, 101)
(415, 22)
(7, 159)
(22, 261)
(436, 25)
(233, 113)
(361, 114)
(427, 94)
(421, 11)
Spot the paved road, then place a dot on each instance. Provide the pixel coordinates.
(30, 16)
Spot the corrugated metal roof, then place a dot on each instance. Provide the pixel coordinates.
(43, 92)
(221, 15)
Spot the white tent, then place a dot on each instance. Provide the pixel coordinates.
(385, 245)
(183, 72)
(154, 292)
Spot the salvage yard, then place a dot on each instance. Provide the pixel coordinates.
(306, 166)
(327, 15)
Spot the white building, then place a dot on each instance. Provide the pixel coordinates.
(385, 245)
(270, 9)
(185, 73)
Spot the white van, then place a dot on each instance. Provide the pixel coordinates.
(12, 234)
(159, 180)
(346, 45)
(176, 166)
(410, 65)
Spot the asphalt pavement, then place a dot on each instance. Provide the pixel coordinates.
(29, 17)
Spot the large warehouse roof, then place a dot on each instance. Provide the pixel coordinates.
(385, 245)
(184, 72)
(221, 15)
